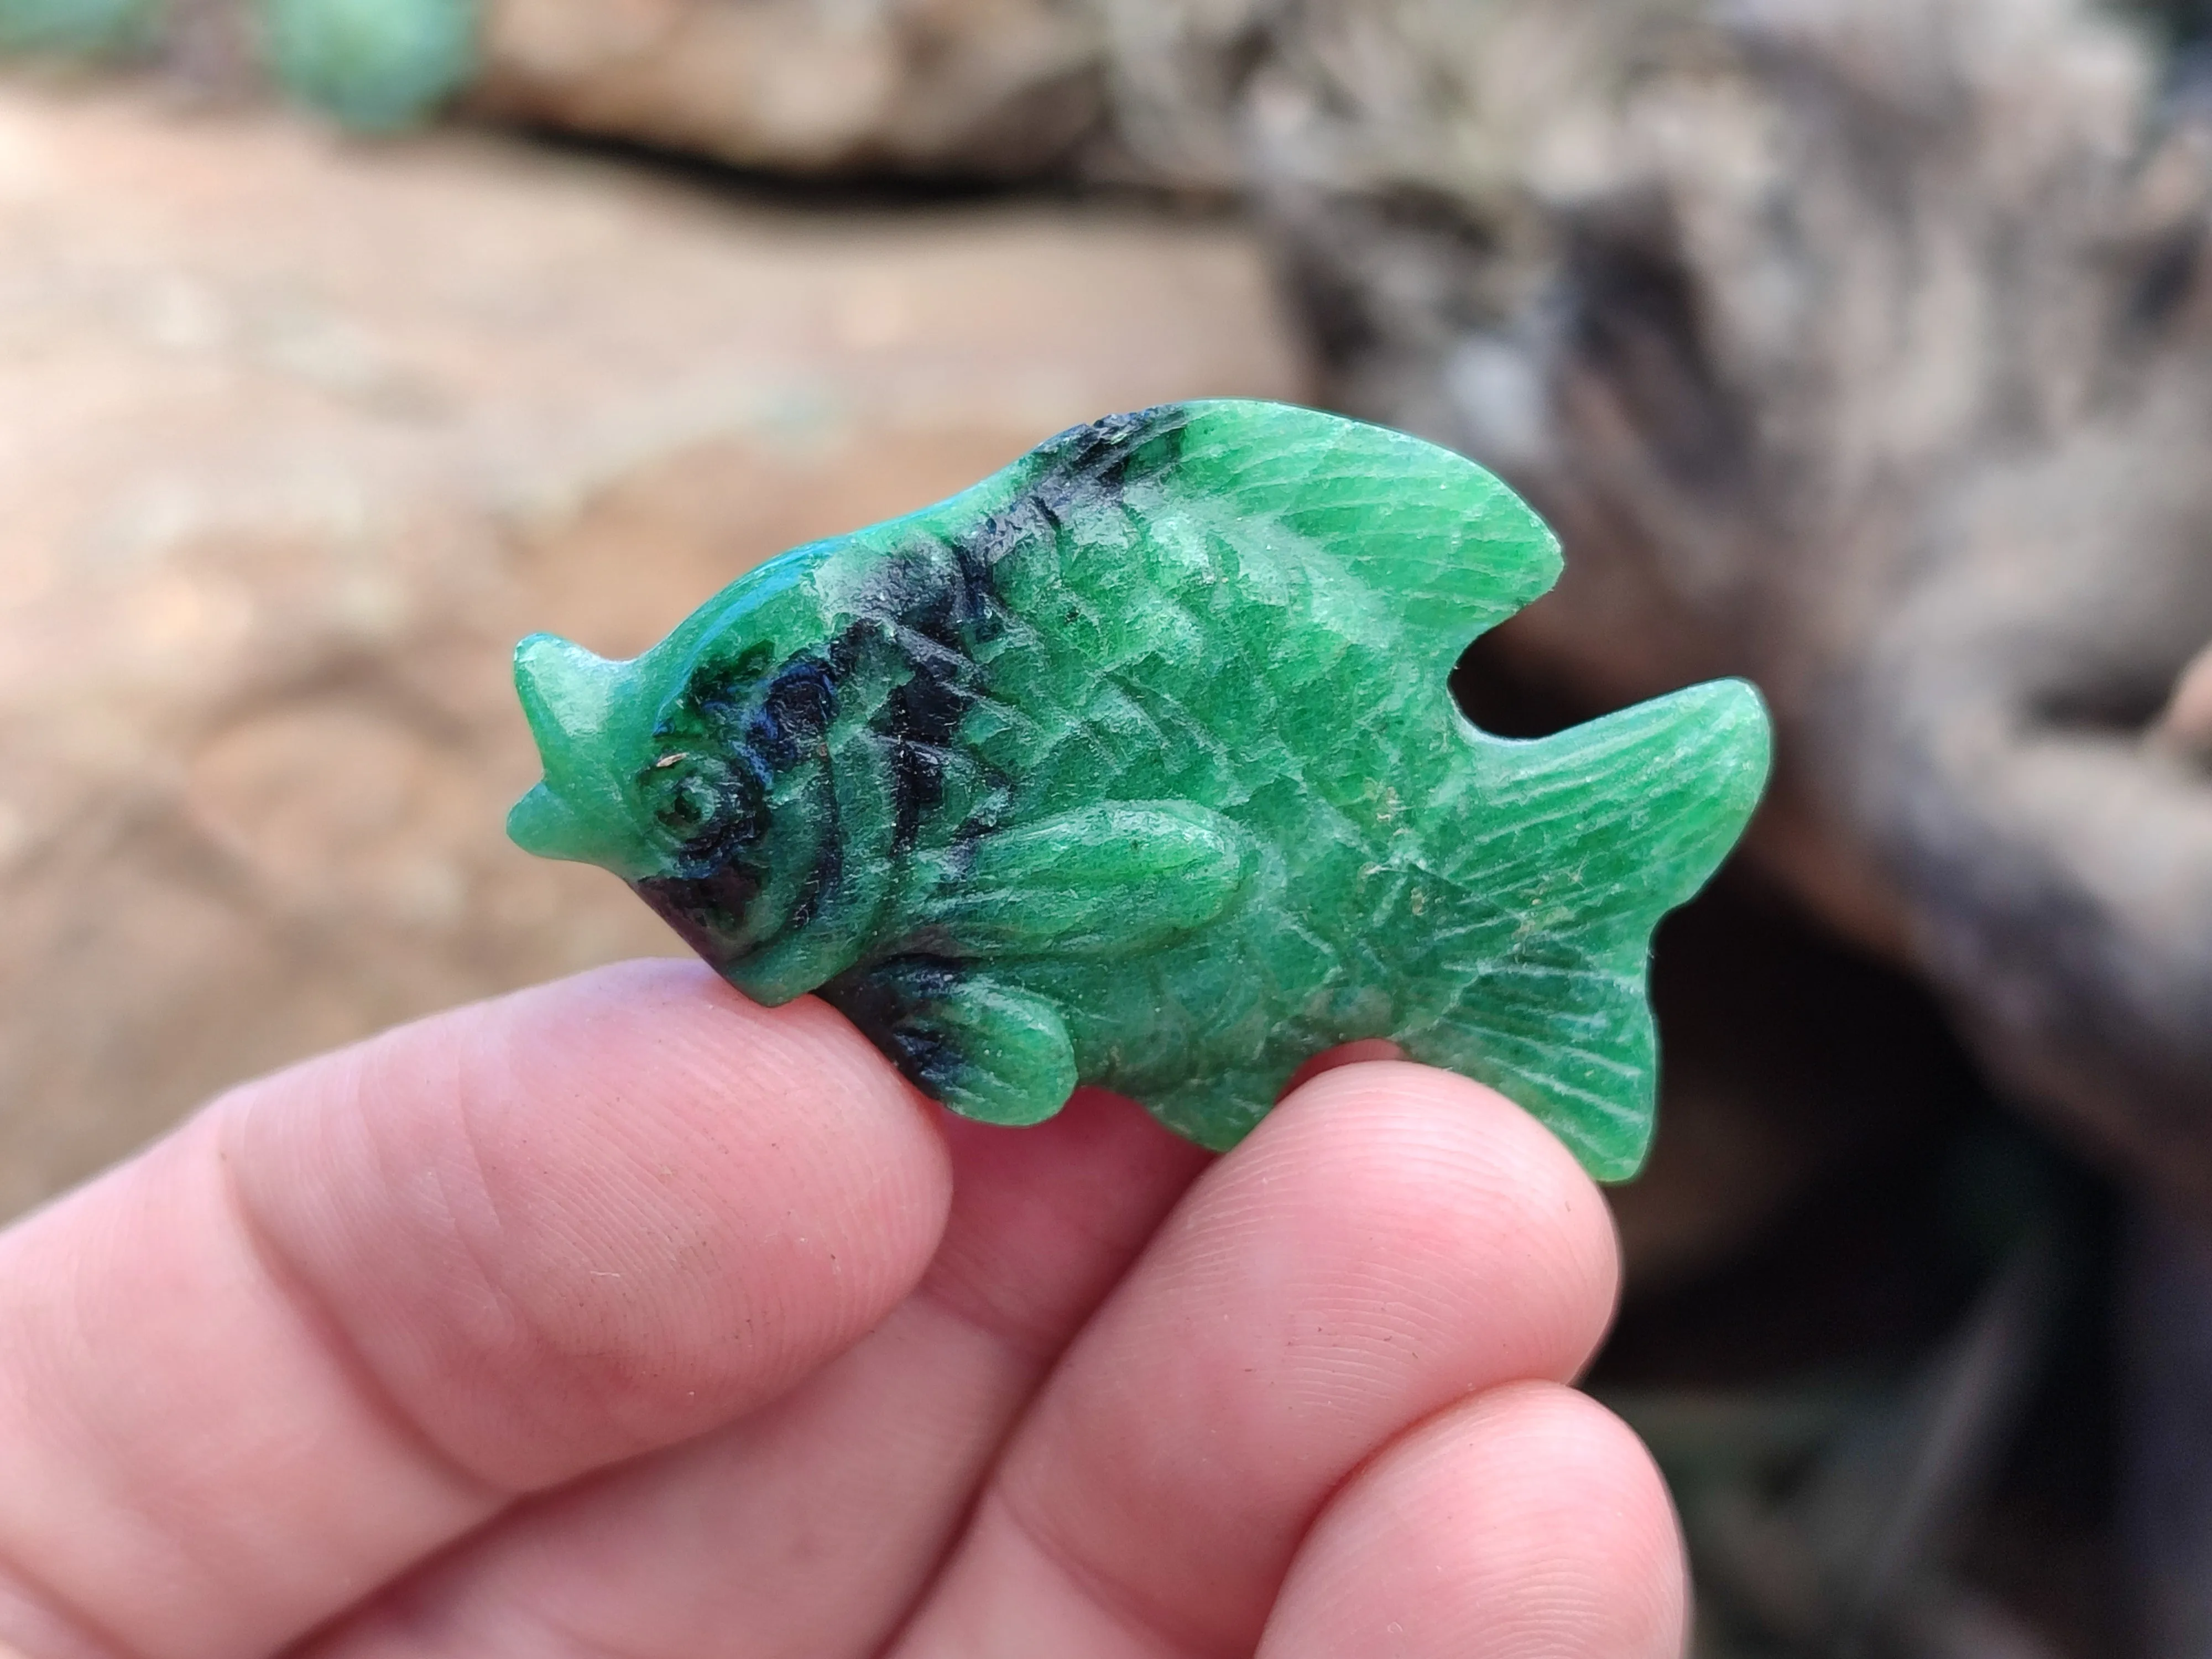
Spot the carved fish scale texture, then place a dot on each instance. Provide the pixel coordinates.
(1135, 764)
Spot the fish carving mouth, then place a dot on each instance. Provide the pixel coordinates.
(708, 912)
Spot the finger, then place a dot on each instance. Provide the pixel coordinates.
(805, 1530)
(347, 1312)
(1527, 1523)
(1390, 1240)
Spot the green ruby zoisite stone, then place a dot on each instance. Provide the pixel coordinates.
(1134, 765)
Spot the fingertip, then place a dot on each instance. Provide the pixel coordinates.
(1529, 1521)
(1487, 1166)
(1573, 1479)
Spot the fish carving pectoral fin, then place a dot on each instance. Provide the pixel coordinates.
(987, 1050)
(1114, 879)
(1013, 1062)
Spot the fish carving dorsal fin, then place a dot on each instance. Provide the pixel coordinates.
(1452, 550)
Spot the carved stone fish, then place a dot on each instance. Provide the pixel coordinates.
(1134, 765)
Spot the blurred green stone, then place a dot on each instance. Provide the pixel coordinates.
(374, 65)
(77, 28)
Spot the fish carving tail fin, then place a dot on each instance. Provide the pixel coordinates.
(1617, 822)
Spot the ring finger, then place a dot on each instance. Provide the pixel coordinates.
(1528, 1523)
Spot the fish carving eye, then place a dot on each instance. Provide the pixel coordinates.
(700, 804)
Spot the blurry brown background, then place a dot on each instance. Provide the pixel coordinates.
(297, 437)
(1858, 346)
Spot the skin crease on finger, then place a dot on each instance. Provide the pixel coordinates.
(1526, 1524)
(346, 1313)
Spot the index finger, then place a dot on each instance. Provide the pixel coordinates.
(349, 1312)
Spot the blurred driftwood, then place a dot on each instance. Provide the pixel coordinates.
(1857, 347)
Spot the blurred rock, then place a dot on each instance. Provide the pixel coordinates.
(946, 89)
(986, 89)
(297, 438)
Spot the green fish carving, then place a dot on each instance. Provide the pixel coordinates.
(1134, 765)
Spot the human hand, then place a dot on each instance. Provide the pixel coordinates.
(621, 1317)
